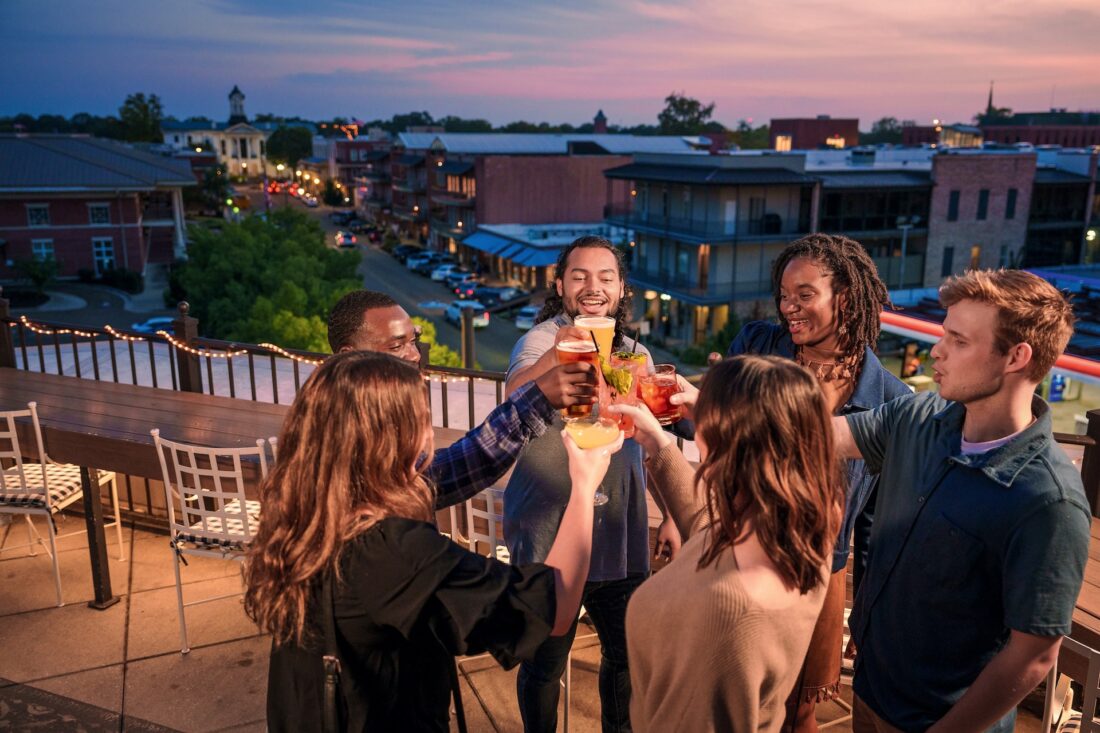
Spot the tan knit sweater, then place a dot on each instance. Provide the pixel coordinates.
(703, 655)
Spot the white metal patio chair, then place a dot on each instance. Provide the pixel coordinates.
(1056, 710)
(43, 489)
(208, 514)
(492, 517)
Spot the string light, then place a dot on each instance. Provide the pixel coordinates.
(43, 331)
(198, 352)
(111, 330)
(283, 352)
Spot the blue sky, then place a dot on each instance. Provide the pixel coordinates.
(507, 60)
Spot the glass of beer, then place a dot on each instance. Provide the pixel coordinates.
(570, 350)
(627, 369)
(593, 432)
(602, 327)
(656, 389)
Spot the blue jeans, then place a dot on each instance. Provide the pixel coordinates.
(538, 684)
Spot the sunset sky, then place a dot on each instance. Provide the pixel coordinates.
(506, 60)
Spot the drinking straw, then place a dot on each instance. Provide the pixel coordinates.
(637, 333)
(594, 341)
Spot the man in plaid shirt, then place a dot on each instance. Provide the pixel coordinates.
(366, 320)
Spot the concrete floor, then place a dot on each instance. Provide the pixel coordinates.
(75, 668)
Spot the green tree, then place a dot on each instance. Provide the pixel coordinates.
(141, 117)
(883, 131)
(438, 354)
(39, 272)
(683, 115)
(457, 124)
(748, 137)
(272, 280)
(214, 188)
(289, 145)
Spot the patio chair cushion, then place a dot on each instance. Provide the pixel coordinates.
(230, 535)
(63, 480)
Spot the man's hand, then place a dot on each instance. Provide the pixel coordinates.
(668, 540)
(569, 384)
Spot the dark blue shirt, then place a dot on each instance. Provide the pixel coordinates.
(874, 387)
(964, 549)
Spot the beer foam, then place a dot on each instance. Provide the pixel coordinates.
(577, 346)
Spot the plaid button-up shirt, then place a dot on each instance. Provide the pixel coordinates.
(483, 455)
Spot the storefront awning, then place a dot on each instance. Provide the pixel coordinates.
(486, 242)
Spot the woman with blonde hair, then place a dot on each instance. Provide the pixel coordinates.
(348, 564)
(717, 638)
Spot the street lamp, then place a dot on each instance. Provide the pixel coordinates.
(905, 223)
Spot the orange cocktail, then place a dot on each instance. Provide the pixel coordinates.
(602, 327)
(571, 350)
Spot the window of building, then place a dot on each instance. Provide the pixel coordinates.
(834, 141)
(1010, 204)
(983, 204)
(99, 213)
(103, 252)
(783, 143)
(948, 265)
(953, 207)
(223, 147)
(38, 215)
(42, 249)
(976, 257)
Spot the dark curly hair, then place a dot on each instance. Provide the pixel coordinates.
(855, 276)
(346, 317)
(622, 315)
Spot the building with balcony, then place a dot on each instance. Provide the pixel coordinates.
(455, 183)
(706, 229)
(90, 204)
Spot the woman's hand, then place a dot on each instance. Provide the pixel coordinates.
(668, 540)
(588, 467)
(647, 431)
(686, 397)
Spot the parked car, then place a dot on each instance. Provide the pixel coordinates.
(453, 314)
(403, 251)
(345, 239)
(415, 259)
(460, 275)
(425, 267)
(152, 325)
(467, 289)
(440, 273)
(310, 201)
(342, 217)
(525, 319)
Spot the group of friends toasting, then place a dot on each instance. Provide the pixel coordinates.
(968, 525)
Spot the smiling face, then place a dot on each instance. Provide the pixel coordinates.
(808, 305)
(592, 284)
(968, 365)
(388, 331)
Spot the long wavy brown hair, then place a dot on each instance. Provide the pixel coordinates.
(347, 459)
(770, 467)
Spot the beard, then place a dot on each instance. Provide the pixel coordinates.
(973, 391)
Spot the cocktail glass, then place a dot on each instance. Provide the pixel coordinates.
(626, 369)
(571, 350)
(657, 388)
(593, 432)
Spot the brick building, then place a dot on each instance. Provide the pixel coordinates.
(811, 133)
(90, 204)
(1056, 127)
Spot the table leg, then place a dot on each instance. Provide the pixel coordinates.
(97, 542)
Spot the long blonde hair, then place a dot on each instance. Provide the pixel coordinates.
(346, 460)
(770, 465)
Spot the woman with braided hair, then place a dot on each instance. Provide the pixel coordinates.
(828, 296)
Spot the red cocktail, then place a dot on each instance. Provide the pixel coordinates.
(656, 391)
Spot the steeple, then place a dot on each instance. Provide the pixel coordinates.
(990, 110)
(236, 106)
(599, 123)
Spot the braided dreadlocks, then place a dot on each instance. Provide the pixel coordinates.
(855, 276)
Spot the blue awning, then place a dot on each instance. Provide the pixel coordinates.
(537, 257)
(486, 242)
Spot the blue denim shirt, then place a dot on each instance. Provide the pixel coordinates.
(965, 548)
(874, 387)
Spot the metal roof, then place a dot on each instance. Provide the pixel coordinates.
(708, 175)
(1053, 175)
(63, 162)
(519, 143)
(875, 179)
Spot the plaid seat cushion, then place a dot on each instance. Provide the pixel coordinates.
(228, 534)
(63, 480)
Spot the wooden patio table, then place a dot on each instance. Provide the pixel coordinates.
(105, 425)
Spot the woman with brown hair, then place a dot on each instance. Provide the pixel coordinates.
(717, 638)
(347, 534)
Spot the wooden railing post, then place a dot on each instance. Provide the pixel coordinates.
(186, 330)
(1090, 466)
(467, 338)
(7, 346)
